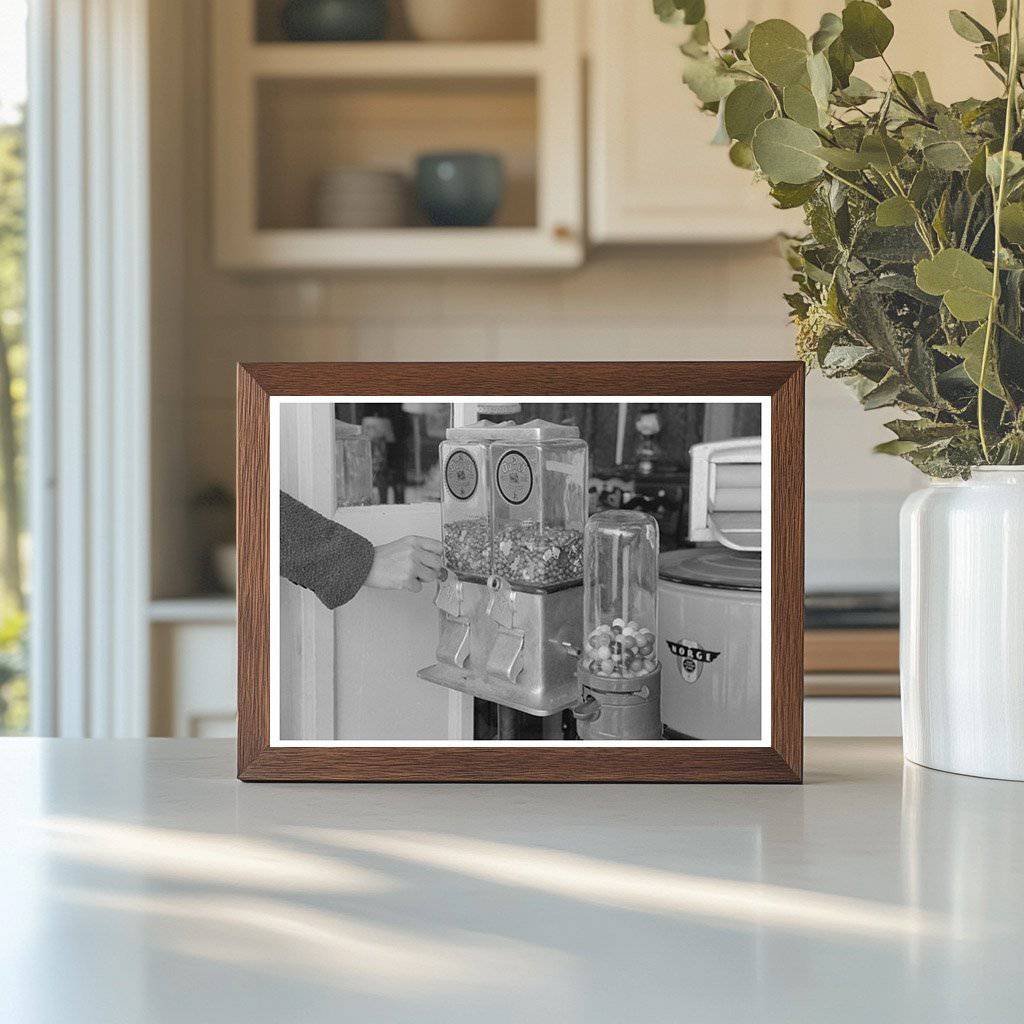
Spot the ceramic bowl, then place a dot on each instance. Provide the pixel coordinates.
(460, 189)
(359, 197)
(333, 21)
(470, 20)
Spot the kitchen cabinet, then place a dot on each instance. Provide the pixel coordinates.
(285, 114)
(654, 177)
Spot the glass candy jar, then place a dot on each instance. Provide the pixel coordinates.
(465, 523)
(620, 597)
(539, 505)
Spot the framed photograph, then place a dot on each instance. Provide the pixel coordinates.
(520, 572)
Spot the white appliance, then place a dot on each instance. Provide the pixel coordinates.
(709, 600)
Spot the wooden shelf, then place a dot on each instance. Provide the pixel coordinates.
(393, 60)
(319, 248)
(852, 650)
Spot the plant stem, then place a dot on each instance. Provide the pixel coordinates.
(853, 185)
(1011, 108)
(907, 99)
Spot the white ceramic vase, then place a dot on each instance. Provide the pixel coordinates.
(962, 624)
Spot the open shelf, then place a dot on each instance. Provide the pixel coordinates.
(309, 127)
(286, 114)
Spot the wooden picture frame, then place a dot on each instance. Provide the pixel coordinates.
(779, 760)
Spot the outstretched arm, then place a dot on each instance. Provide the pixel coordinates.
(334, 562)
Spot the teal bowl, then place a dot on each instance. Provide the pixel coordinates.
(334, 21)
(460, 189)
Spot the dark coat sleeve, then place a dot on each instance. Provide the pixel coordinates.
(322, 555)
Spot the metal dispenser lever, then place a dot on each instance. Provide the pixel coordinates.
(504, 661)
(453, 643)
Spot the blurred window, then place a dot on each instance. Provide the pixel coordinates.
(14, 547)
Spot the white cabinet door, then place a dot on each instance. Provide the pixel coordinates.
(654, 177)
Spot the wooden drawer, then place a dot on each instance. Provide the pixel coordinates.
(852, 650)
(851, 663)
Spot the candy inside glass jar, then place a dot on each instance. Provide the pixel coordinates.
(534, 555)
(467, 546)
(622, 649)
(539, 505)
(465, 520)
(620, 595)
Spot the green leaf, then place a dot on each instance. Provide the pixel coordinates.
(741, 155)
(922, 185)
(707, 78)
(895, 212)
(819, 74)
(829, 30)
(939, 220)
(923, 431)
(1012, 224)
(666, 10)
(963, 281)
(883, 152)
(745, 108)
(701, 34)
(976, 174)
(885, 394)
(689, 12)
(788, 196)
(993, 167)
(693, 10)
(947, 156)
(971, 351)
(801, 106)
(840, 61)
(779, 51)
(739, 41)
(787, 151)
(924, 88)
(895, 447)
(856, 92)
(866, 29)
(844, 159)
(906, 84)
(999, 9)
(969, 28)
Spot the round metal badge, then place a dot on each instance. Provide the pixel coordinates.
(461, 475)
(515, 477)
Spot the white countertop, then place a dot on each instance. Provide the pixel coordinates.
(140, 882)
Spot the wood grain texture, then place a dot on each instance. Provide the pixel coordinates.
(781, 762)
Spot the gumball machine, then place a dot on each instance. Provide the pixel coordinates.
(513, 508)
(619, 671)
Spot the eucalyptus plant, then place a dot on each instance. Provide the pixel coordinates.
(910, 278)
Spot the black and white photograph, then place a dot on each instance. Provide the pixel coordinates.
(504, 570)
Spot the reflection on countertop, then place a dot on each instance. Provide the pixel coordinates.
(147, 884)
